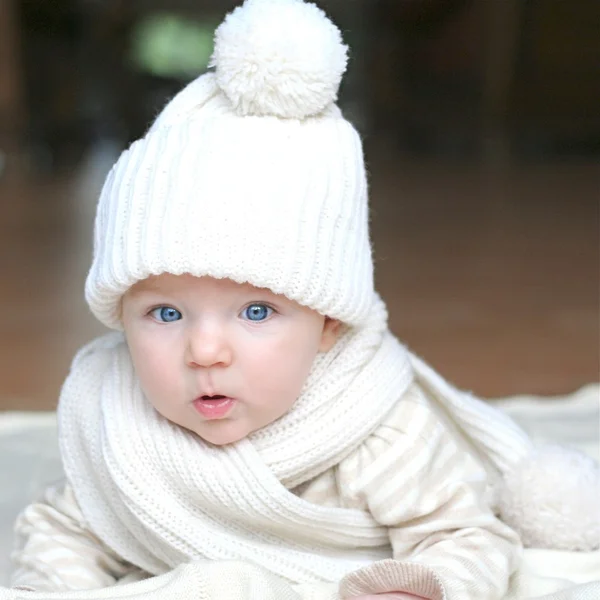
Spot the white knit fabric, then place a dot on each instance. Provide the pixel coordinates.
(276, 197)
(251, 173)
(279, 57)
(160, 496)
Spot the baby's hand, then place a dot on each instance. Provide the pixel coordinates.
(390, 596)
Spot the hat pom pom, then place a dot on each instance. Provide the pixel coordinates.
(279, 57)
(552, 500)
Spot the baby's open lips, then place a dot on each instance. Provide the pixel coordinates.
(214, 398)
(213, 407)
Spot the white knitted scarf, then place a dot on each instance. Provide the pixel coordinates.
(160, 496)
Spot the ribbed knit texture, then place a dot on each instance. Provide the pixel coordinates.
(252, 173)
(495, 435)
(249, 173)
(159, 495)
(279, 203)
(413, 490)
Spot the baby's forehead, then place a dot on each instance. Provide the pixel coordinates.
(167, 282)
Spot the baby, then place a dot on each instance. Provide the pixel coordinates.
(252, 418)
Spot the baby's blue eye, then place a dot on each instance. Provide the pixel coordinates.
(166, 314)
(257, 312)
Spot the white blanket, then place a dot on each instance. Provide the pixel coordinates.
(29, 462)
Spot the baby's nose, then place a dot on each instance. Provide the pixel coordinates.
(208, 347)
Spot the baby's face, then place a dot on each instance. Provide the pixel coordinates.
(220, 358)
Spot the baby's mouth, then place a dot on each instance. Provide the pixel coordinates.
(214, 407)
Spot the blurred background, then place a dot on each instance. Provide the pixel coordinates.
(481, 123)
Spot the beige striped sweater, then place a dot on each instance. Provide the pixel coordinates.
(414, 474)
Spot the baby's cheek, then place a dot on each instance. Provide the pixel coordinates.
(159, 385)
(294, 359)
(279, 378)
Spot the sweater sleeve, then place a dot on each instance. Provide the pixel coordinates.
(416, 478)
(55, 551)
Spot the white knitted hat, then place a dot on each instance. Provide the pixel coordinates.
(249, 173)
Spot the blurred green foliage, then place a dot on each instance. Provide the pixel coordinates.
(169, 45)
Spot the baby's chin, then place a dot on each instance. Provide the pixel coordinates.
(222, 433)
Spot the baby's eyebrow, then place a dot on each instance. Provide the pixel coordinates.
(146, 289)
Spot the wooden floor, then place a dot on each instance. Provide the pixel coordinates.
(490, 275)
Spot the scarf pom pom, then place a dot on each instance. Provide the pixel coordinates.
(552, 499)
